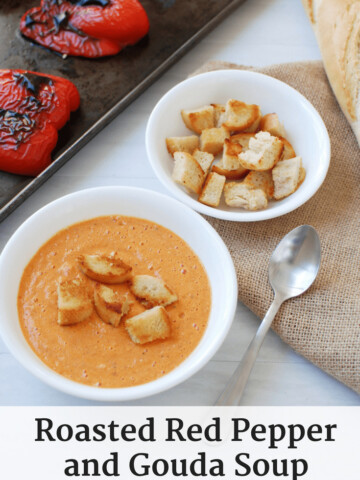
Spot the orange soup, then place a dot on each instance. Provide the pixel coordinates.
(93, 352)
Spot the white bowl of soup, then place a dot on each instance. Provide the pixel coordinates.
(157, 236)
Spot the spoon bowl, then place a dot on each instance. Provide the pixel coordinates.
(295, 262)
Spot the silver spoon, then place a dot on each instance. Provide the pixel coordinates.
(293, 267)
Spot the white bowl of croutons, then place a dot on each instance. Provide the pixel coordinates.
(112, 293)
(238, 145)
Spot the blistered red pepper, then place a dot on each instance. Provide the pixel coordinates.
(88, 28)
(33, 107)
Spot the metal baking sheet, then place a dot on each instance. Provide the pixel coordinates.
(106, 85)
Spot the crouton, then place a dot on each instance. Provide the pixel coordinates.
(262, 180)
(302, 176)
(254, 127)
(148, 326)
(199, 119)
(152, 291)
(109, 304)
(242, 139)
(240, 117)
(286, 176)
(241, 195)
(229, 174)
(182, 144)
(74, 304)
(219, 110)
(264, 152)
(230, 158)
(187, 172)
(212, 140)
(288, 151)
(104, 268)
(270, 123)
(212, 190)
(204, 159)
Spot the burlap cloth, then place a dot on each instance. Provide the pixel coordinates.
(323, 325)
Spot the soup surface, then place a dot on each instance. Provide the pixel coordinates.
(93, 352)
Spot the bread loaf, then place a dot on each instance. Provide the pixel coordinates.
(336, 24)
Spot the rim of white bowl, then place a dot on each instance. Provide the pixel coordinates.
(260, 215)
(63, 384)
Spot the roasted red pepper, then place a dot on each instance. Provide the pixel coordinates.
(87, 28)
(33, 107)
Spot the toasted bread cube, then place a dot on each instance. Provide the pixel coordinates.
(302, 176)
(240, 117)
(188, 172)
(199, 119)
(219, 110)
(230, 158)
(288, 151)
(287, 176)
(204, 159)
(212, 140)
(74, 304)
(104, 268)
(262, 180)
(264, 152)
(212, 190)
(148, 326)
(242, 139)
(254, 127)
(244, 196)
(182, 144)
(109, 304)
(271, 123)
(236, 174)
(152, 291)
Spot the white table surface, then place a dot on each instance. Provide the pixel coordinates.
(260, 32)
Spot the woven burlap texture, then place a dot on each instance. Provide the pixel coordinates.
(323, 325)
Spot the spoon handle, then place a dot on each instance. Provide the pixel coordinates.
(236, 386)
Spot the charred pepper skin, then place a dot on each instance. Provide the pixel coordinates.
(33, 107)
(87, 28)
